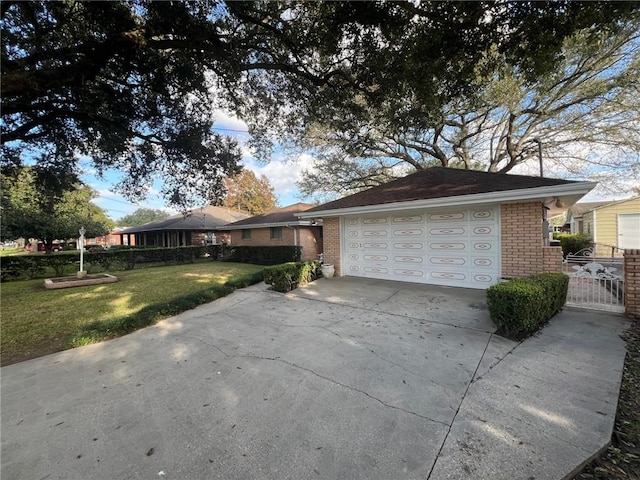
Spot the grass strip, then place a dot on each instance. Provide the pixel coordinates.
(103, 330)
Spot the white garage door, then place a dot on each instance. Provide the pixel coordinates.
(629, 230)
(444, 247)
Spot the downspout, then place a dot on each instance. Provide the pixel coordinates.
(295, 236)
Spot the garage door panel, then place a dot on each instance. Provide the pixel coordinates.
(457, 248)
(375, 221)
(408, 232)
(409, 274)
(413, 259)
(447, 217)
(403, 219)
(483, 214)
(484, 262)
(449, 261)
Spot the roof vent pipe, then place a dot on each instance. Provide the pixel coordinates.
(539, 142)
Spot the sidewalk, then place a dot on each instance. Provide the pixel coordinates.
(543, 411)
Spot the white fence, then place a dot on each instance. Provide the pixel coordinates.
(595, 282)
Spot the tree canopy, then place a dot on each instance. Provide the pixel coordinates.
(248, 193)
(134, 84)
(141, 216)
(585, 115)
(43, 206)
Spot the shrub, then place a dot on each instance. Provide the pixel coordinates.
(271, 255)
(520, 307)
(288, 276)
(573, 242)
(34, 266)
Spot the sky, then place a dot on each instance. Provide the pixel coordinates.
(282, 173)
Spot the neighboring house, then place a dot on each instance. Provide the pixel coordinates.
(447, 227)
(114, 238)
(200, 226)
(280, 227)
(575, 220)
(610, 224)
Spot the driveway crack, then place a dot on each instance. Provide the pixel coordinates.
(444, 441)
(335, 382)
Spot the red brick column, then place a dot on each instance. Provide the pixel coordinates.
(331, 242)
(521, 228)
(551, 259)
(632, 283)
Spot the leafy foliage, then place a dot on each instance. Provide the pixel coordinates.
(142, 216)
(289, 276)
(47, 204)
(583, 114)
(133, 84)
(248, 193)
(39, 266)
(572, 243)
(520, 307)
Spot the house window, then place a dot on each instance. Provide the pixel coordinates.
(246, 234)
(276, 233)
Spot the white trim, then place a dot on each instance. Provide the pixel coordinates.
(538, 193)
(595, 239)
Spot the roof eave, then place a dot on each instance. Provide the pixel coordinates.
(566, 193)
(293, 223)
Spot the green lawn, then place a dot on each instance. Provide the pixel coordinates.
(36, 321)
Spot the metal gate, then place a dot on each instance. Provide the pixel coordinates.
(595, 282)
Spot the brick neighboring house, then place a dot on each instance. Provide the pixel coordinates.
(199, 226)
(447, 226)
(280, 227)
(114, 238)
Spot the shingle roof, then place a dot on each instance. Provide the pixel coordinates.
(282, 215)
(439, 182)
(199, 219)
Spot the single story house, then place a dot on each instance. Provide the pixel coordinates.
(610, 224)
(575, 221)
(447, 226)
(200, 226)
(112, 239)
(280, 227)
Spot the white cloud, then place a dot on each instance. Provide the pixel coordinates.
(226, 120)
(283, 175)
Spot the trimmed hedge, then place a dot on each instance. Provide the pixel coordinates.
(36, 266)
(98, 331)
(520, 307)
(573, 242)
(263, 255)
(288, 276)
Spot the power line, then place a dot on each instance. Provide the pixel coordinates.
(223, 129)
(118, 201)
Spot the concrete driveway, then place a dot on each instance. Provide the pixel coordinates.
(344, 378)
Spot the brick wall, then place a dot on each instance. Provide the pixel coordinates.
(310, 239)
(521, 239)
(632, 283)
(262, 237)
(331, 241)
(551, 259)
